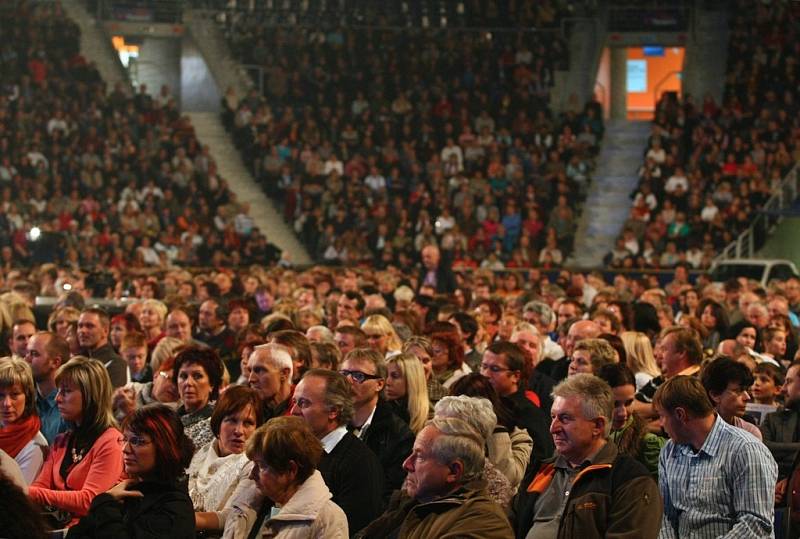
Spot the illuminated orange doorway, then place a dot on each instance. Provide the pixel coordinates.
(651, 71)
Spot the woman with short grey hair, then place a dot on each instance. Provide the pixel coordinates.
(479, 414)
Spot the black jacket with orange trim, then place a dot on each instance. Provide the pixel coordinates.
(614, 497)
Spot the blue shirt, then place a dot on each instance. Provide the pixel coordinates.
(52, 423)
(727, 488)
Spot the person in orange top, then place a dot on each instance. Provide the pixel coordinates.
(86, 460)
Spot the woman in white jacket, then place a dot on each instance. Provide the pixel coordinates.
(219, 474)
(20, 434)
(285, 454)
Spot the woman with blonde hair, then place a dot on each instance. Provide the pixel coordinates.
(407, 390)
(640, 357)
(381, 336)
(422, 349)
(87, 459)
(60, 320)
(20, 434)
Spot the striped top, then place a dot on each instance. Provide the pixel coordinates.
(726, 488)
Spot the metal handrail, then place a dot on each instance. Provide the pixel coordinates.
(744, 246)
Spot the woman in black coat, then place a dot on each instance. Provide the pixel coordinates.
(154, 502)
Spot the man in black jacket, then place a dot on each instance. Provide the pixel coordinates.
(350, 469)
(93, 328)
(374, 422)
(503, 364)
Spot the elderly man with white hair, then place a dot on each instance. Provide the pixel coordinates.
(527, 336)
(446, 491)
(479, 413)
(270, 368)
(319, 334)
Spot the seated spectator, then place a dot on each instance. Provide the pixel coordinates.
(20, 435)
(509, 447)
(86, 460)
(374, 422)
(286, 454)
(447, 463)
(728, 384)
(135, 395)
(153, 501)
(625, 498)
(479, 414)
(46, 353)
(381, 335)
(447, 360)
(628, 430)
(270, 367)
(220, 470)
(350, 469)
(19, 518)
(121, 325)
(639, 357)
(733, 465)
(93, 328)
(421, 347)
(325, 355)
(133, 350)
(197, 373)
(589, 355)
(503, 364)
(406, 391)
(767, 385)
(151, 318)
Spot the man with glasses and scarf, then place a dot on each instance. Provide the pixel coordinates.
(374, 422)
(503, 364)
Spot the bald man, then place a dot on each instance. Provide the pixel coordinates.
(578, 330)
(436, 271)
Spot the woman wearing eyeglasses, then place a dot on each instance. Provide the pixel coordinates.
(628, 430)
(87, 459)
(154, 501)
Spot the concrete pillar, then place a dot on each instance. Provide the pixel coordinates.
(619, 97)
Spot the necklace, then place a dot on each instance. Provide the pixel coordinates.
(77, 456)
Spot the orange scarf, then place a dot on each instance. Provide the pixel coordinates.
(14, 436)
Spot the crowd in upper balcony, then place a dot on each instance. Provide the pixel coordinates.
(92, 176)
(710, 167)
(379, 142)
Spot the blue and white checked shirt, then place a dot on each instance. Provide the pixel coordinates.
(727, 489)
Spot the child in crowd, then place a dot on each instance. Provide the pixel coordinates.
(767, 385)
(134, 351)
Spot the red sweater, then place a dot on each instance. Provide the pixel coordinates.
(100, 469)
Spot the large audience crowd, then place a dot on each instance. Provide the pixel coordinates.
(97, 178)
(378, 142)
(350, 402)
(391, 397)
(710, 167)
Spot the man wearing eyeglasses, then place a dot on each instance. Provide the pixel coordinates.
(374, 422)
(503, 364)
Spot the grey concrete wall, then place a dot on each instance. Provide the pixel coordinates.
(199, 92)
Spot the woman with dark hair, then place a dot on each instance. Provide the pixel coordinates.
(509, 447)
(714, 318)
(87, 459)
(198, 375)
(153, 502)
(221, 468)
(448, 353)
(19, 517)
(628, 430)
